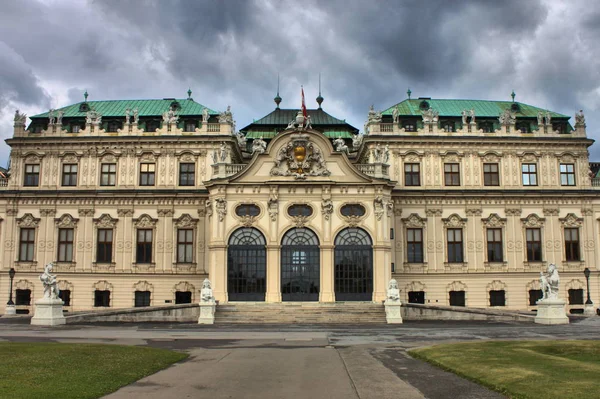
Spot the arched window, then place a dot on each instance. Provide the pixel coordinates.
(353, 270)
(300, 265)
(247, 265)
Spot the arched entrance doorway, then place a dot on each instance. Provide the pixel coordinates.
(247, 265)
(300, 265)
(353, 265)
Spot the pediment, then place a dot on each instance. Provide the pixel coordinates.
(301, 156)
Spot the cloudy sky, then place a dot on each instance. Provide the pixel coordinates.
(229, 52)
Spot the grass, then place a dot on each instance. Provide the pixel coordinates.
(524, 369)
(52, 370)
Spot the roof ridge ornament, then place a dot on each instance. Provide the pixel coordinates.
(277, 98)
(320, 97)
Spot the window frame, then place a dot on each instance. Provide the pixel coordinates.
(490, 175)
(65, 245)
(532, 243)
(143, 249)
(105, 247)
(102, 298)
(412, 245)
(147, 175)
(187, 174)
(529, 174)
(29, 244)
(108, 174)
(144, 300)
(572, 246)
(31, 178)
(493, 298)
(69, 178)
(456, 246)
(568, 175)
(411, 175)
(186, 245)
(451, 176)
(495, 246)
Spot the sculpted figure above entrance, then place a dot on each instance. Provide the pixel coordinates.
(300, 158)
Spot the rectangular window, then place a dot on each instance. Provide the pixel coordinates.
(529, 173)
(65, 295)
(147, 174)
(190, 126)
(416, 296)
(65, 245)
(183, 297)
(22, 297)
(494, 245)
(75, 128)
(455, 246)
(185, 246)
(412, 174)
(69, 175)
(457, 298)
(534, 296)
(410, 127)
(101, 298)
(104, 246)
(414, 245)
(534, 245)
(32, 175)
(27, 245)
(567, 174)
(187, 174)
(497, 298)
(576, 296)
(142, 298)
(491, 175)
(572, 244)
(144, 246)
(108, 174)
(452, 174)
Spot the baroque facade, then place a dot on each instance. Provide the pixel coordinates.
(137, 202)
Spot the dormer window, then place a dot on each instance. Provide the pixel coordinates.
(523, 127)
(409, 126)
(560, 127)
(448, 126)
(151, 126)
(113, 126)
(75, 128)
(424, 105)
(190, 126)
(487, 127)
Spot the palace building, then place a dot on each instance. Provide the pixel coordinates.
(136, 202)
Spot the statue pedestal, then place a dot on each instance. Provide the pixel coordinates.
(393, 313)
(551, 311)
(48, 312)
(590, 310)
(11, 310)
(207, 312)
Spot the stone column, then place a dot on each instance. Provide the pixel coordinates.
(327, 274)
(218, 270)
(273, 273)
(122, 238)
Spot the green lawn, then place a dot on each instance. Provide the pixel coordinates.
(524, 369)
(51, 370)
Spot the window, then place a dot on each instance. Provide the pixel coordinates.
(572, 244)
(75, 128)
(416, 296)
(451, 174)
(457, 298)
(455, 246)
(32, 175)
(27, 245)
(185, 246)
(69, 175)
(534, 245)
(144, 246)
(412, 174)
(497, 298)
(576, 296)
(523, 127)
(65, 245)
(414, 245)
(187, 174)
(300, 210)
(113, 126)
(104, 246)
(494, 245)
(353, 210)
(22, 297)
(108, 174)
(101, 298)
(491, 175)
(247, 210)
(147, 174)
(487, 127)
(190, 126)
(560, 127)
(409, 126)
(183, 297)
(142, 298)
(65, 295)
(151, 126)
(529, 174)
(567, 174)
(534, 296)
(448, 126)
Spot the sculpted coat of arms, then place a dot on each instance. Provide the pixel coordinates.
(300, 158)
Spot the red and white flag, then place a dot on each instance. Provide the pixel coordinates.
(303, 105)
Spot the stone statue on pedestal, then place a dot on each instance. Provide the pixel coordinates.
(549, 282)
(49, 309)
(550, 309)
(205, 115)
(259, 145)
(49, 281)
(20, 118)
(207, 304)
(393, 292)
(206, 294)
(393, 313)
(340, 145)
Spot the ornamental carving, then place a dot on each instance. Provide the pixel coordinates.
(47, 212)
(185, 221)
(414, 221)
(533, 220)
(327, 208)
(494, 221)
(221, 205)
(496, 285)
(273, 208)
(70, 159)
(28, 221)
(66, 221)
(85, 212)
(513, 212)
(145, 222)
(184, 286)
(491, 157)
(103, 285)
(143, 285)
(124, 212)
(571, 221)
(433, 212)
(208, 208)
(379, 206)
(300, 221)
(587, 212)
(456, 286)
(300, 158)
(165, 212)
(454, 221)
(551, 211)
(473, 212)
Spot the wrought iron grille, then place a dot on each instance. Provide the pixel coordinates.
(300, 266)
(353, 265)
(246, 265)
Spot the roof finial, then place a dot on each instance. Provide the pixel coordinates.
(277, 98)
(320, 97)
(189, 92)
(513, 95)
(85, 96)
(409, 93)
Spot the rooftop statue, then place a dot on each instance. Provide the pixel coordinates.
(241, 140)
(307, 122)
(136, 116)
(430, 115)
(395, 115)
(540, 118)
(464, 115)
(357, 140)
(227, 116)
(507, 117)
(127, 115)
(51, 116)
(259, 145)
(205, 115)
(472, 115)
(59, 116)
(549, 282)
(206, 294)
(93, 116)
(223, 152)
(579, 119)
(374, 116)
(393, 292)
(340, 145)
(170, 116)
(20, 118)
(50, 284)
(548, 118)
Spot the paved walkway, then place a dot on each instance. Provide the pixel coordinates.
(299, 361)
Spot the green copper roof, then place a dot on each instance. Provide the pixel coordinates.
(145, 108)
(332, 134)
(482, 108)
(281, 117)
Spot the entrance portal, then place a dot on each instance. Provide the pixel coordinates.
(247, 265)
(300, 265)
(353, 265)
